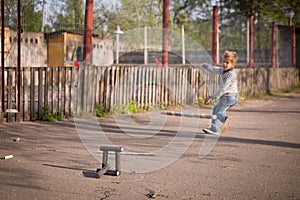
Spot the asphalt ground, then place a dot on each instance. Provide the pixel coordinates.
(257, 158)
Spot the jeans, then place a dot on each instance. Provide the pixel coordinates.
(226, 101)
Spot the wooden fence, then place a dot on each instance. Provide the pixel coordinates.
(76, 90)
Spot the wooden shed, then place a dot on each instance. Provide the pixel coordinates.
(65, 48)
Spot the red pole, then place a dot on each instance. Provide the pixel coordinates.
(165, 32)
(215, 49)
(274, 38)
(294, 46)
(2, 59)
(88, 28)
(251, 42)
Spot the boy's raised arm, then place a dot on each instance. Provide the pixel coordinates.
(214, 69)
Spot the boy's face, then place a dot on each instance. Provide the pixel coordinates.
(227, 65)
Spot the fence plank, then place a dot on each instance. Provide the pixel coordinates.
(150, 89)
(25, 95)
(94, 75)
(116, 88)
(85, 90)
(53, 95)
(97, 85)
(125, 84)
(40, 93)
(67, 88)
(134, 83)
(107, 88)
(46, 88)
(138, 86)
(74, 85)
(102, 86)
(142, 87)
(80, 89)
(120, 88)
(60, 91)
(32, 94)
(131, 85)
(9, 94)
(88, 88)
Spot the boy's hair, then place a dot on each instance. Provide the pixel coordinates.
(231, 56)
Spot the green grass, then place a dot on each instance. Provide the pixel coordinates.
(49, 116)
(100, 111)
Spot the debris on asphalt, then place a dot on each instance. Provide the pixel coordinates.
(152, 194)
(7, 157)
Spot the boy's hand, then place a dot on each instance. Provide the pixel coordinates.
(207, 101)
(205, 65)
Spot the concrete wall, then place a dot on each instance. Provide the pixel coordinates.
(33, 50)
(253, 81)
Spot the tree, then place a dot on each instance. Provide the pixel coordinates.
(282, 12)
(236, 12)
(30, 15)
(129, 14)
(196, 16)
(135, 14)
(69, 18)
(104, 19)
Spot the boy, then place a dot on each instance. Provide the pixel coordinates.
(227, 91)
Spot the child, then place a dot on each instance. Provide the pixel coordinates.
(227, 91)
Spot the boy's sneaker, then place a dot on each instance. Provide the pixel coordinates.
(208, 131)
(226, 124)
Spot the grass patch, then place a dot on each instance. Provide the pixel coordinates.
(100, 111)
(49, 116)
(132, 107)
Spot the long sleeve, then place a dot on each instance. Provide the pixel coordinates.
(227, 83)
(213, 69)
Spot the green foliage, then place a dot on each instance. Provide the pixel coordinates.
(284, 90)
(132, 107)
(31, 17)
(149, 108)
(265, 11)
(116, 110)
(132, 14)
(139, 13)
(282, 12)
(164, 107)
(49, 116)
(72, 18)
(100, 111)
(129, 14)
(200, 101)
(195, 15)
